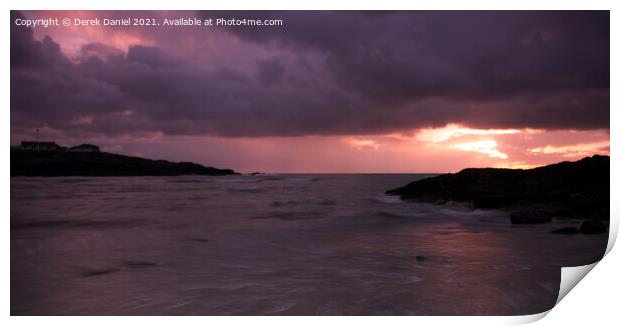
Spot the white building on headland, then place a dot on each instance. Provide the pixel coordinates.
(52, 146)
(40, 146)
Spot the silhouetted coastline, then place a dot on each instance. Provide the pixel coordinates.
(72, 163)
(564, 190)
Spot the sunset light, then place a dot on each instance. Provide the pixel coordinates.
(574, 150)
(305, 162)
(307, 103)
(451, 131)
(487, 147)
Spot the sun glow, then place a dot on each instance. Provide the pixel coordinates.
(468, 139)
(363, 143)
(575, 150)
(516, 165)
(487, 147)
(438, 135)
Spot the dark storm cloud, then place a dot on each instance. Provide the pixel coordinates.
(471, 55)
(47, 87)
(270, 71)
(352, 73)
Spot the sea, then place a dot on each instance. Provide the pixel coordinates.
(274, 244)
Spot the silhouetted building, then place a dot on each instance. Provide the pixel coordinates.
(40, 146)
(84, 148)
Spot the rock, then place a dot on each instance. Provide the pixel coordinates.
(529, 217)
(592, 226)
(566, 189)
(566, 230)
(493, 201)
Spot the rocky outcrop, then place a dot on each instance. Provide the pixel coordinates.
(592, 226)
(566, 230)
(529, 217)
(569, 189)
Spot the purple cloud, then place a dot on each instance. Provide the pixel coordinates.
(326, 73)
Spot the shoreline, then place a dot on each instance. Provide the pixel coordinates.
(567, 190)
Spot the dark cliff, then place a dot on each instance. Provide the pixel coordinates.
(568, 189)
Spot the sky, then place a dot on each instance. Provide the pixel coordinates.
(326, 92)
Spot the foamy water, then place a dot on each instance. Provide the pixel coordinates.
(274, 244)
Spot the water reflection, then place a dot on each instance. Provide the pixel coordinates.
(220, 246)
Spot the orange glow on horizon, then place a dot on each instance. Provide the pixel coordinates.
(516, 165)
(487, 147)
(362, 143)
(471, 147)
(450, 131)
(574, 150)
(454, 135)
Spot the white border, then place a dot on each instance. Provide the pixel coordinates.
(594, 302)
